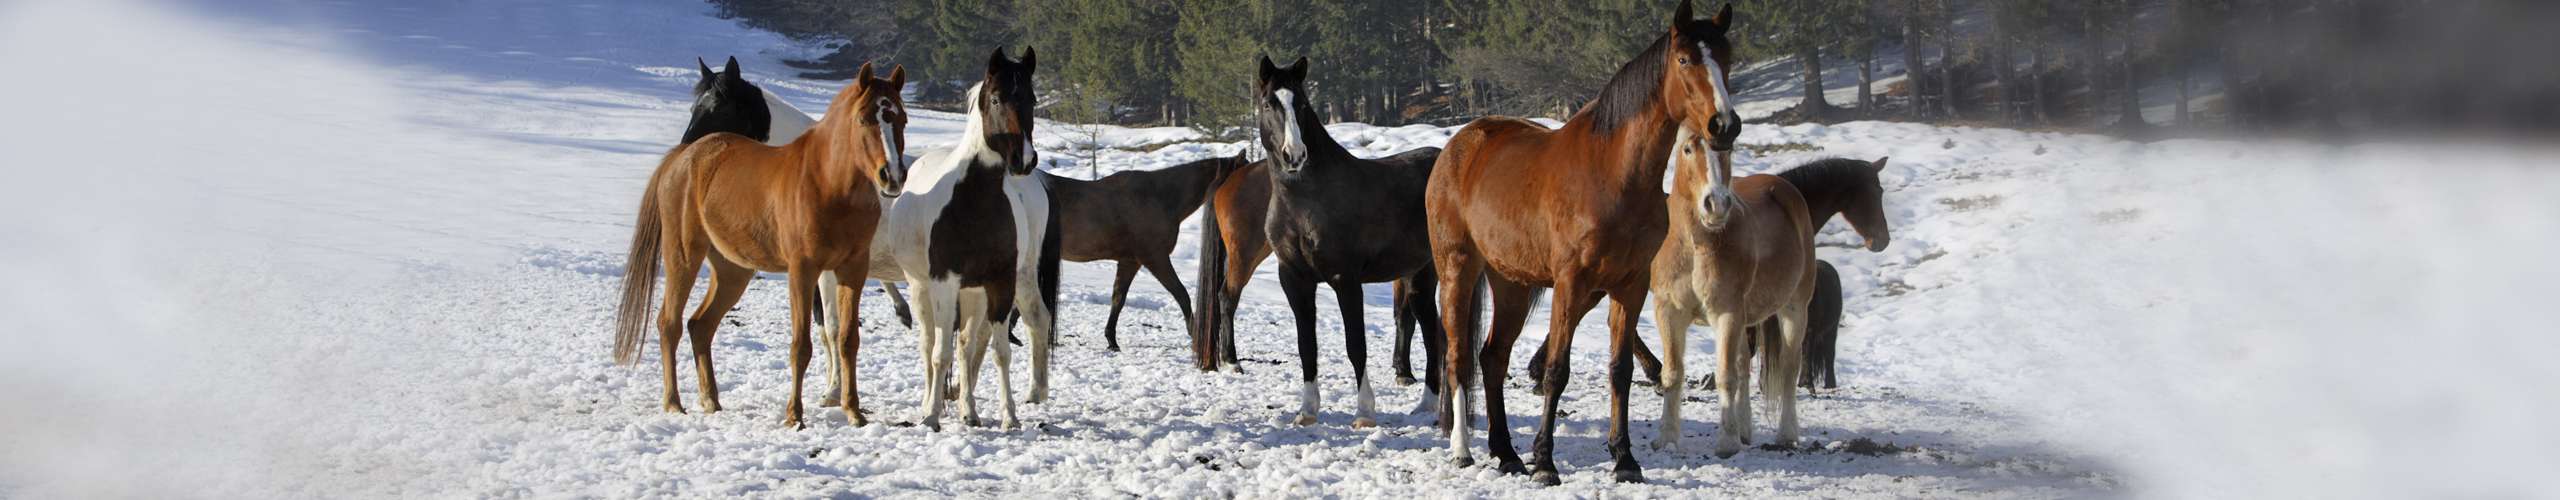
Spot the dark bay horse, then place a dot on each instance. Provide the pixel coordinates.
(801, 209)
(1134, 218)
(1336, 219)
(1232, 245)
(1517, 206)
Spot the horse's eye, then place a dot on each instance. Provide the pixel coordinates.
(1684, 61)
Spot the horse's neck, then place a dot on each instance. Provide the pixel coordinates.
(828, 163)
(1644, 154)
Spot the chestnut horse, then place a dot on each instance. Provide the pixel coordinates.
(1738, 252)
(1339, 220)
(799, 209)
(1517, 206)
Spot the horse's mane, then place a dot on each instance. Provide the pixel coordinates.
(1632, 90)
(1828, 174)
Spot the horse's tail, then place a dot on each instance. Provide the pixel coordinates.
(1211, 295)
(639, 278)
(1050, 254)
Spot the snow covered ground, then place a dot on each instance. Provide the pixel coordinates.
(289, 249)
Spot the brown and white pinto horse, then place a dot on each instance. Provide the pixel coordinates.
(800, 209)
(1578, 209)
(1737, 252)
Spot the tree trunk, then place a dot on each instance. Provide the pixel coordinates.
(1866, 83)
(2132, 97)
(1813, 107)
(2035, 83)
(2093, 65)
(1949, 94)
(1912, 72)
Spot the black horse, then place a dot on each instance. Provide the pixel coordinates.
(723, 101)
(1340, 220)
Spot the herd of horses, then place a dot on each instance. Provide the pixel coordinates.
(1506, 208)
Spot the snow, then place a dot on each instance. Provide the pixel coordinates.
(355, 250)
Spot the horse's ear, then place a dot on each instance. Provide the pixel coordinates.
(1030, 60)
(864, 74)
(1681, 16)
(1879, 163)
(706, 67)
(732, 69)
(996, 59)
(1298, 70)
(898, 77)
(1267, 69)
(1723, 18)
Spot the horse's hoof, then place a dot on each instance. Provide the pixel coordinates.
(1402, 379)
(1463, 461)
(792, 423)
(1363, 423)
(672, 408)
(712, 406)
(1667, 444)
(1112, 347)
(1631, 476)
(1511, 466)
(972, 421)
(1723, 452)
(1546, 477)
(1012, 425)
(855, 419)
(1304, 420)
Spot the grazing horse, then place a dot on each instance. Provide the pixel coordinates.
(800, 209)
(1517, 206)
(966, 236)
(1336, 219)
(1133, 218)
(1738, 252)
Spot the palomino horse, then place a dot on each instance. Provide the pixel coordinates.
(1737, 253)
(1518, 206)
(1133, 218)
(1336, 219)
(800, 209)
(966, 235)
(1849, 189)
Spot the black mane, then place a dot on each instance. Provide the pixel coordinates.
(1634, 89)
(1828, 175)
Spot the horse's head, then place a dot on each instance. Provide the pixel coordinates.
(1281, 97)
(1866, 208)
(1695, 159)
(723, 101)
(1700, 56)
(876, 125)
(1004, 107)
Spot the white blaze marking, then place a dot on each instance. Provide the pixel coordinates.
(1715, 77)
(1289, 141)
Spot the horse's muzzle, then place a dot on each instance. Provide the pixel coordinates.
(1723, 130)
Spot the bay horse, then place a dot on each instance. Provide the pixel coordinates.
(1133, 218)
(1516, 206)
(967, 234)
(1336, 219)
(1738, 252)
(800, 209)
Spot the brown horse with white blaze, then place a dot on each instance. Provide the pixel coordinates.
(800, 209)
(1577, 208)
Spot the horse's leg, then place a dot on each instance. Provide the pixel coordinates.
(898, 302)
(1571, 301)
(1119, 292)
(1239, 273)
(1355, 341)
(1458, 326)
(1510, 312)
(977, 327)
(1426, 317)
(1673, 323)
(830, 306)
(683, 266)
(940, 304)
(1004, 376)
(1301, 289)
(1624, 309)
(800, 284)
(1162, 268)
(1404, 334)
(728, 282)
(1733, 385)
(1043, 323)
(848, 341)
(1783, 353)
